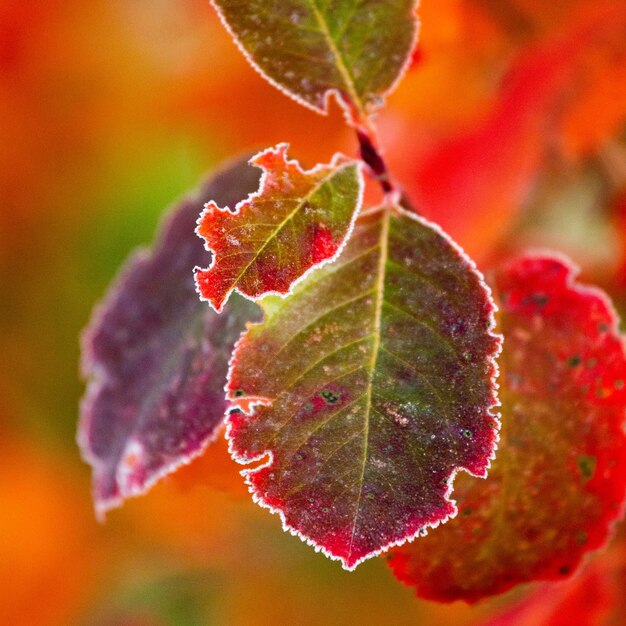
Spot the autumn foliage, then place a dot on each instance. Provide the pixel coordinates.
(402, 316)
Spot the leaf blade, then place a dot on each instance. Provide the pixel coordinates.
(558, 482)
(156, 358)
(296, 221)
(355, 384)
(310, 49)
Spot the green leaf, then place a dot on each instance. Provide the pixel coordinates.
(371, 387)
(357, 50)
(559, 480)
(296, 221)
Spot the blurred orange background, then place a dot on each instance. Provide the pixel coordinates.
(509, 130)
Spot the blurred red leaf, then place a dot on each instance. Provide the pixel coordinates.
(594, 597)
(474, 180)
(559, 478)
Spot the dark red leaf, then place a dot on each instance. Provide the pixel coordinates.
(375, 380)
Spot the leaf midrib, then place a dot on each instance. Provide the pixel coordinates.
(378, 308)
(339, 61)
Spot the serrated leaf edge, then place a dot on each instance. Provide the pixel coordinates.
(334, 92)
(338, 160)
(268, 457)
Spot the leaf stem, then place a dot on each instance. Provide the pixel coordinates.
(373, 158)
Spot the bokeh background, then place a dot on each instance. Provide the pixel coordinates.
(508, 129)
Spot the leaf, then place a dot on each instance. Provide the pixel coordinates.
(312, 48)
(156, 358)
(296, 221)
(559, 479)
(373, 386)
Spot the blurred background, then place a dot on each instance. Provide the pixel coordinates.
(508, 130)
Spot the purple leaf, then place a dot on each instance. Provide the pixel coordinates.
(156, 357)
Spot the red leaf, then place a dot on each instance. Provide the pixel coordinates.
(156, 358)
(373, 385)
(559, 479)
(296, 221)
